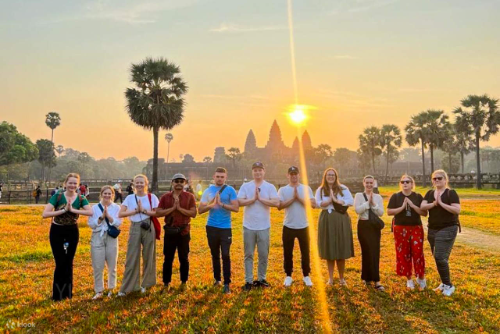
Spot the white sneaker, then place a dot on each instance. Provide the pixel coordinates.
(422, 283)
(110, 294)
(410, 285)
(307, 281)
(97, 296)
(121, 294)
(288, 281)
(439, 288)
(143, 290)
(448, 290)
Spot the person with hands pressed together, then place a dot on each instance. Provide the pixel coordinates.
(369, 233)
(140, 207)
(408, 232)
(293, 199)
(335, 241)
(103, 247)
(178, 207)
(443, 205)
(257, 196)
(219, 200)
(64, 208)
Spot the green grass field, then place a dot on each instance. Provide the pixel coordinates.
(26, 269)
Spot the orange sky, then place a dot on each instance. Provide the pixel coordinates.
(366, 63)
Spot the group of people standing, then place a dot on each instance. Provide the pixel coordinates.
(178, 207)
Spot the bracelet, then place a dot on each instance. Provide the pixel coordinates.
(223, 206)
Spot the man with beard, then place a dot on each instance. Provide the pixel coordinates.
(178, 207)
(219, 199)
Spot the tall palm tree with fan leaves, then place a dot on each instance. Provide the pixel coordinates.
(480, 113)
(157, 100)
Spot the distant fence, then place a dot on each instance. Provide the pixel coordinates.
(21, 192)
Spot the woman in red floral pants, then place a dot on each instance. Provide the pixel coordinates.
(408, 232)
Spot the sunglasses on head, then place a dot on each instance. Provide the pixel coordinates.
(439, 178)
(178, 181)
(405, 182)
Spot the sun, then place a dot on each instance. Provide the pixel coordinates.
(298, 114)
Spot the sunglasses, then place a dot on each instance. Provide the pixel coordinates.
(178, 181)
(439, 178)
(405, 182)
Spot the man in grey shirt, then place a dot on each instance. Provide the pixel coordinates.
(293, 199)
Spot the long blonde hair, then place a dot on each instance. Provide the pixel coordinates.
(106, 188)
(443, 174)
(406, 176)
(337, 189)
(70, 175)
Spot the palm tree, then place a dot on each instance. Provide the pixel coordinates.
(157, 101)
(463, 139)
(390, 141)
(416, 132)
(481, 114)
(59, 150)
(168, 137)
(369, 144)
(234, 155)
(451, 148)
(437, 130)
(53, 120)
(207, 160)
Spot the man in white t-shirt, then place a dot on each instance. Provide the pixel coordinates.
(257, 196)
(293, 199)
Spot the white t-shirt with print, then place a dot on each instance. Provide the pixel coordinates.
(295, 214)
(257, 216)
(131, 204)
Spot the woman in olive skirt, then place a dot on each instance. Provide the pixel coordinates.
(335, 242)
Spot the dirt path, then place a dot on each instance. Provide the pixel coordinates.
(479, 239)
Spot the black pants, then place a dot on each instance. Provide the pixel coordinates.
(170, 245)
(118, 196)
(37, 199)
(369, 240)
(63, 274)
(289, 235)
(441, 244)
(219, 241)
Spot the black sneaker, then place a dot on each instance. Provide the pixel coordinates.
(247, 286)
(264, 283)
(256, 284)
(226, 289)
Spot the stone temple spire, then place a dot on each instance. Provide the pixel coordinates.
(275, 140)
(250, 143)
(306, 140)
(295, 145)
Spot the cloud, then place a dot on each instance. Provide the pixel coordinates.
(236, 97)
(345, 57)
(126, 11)
(350, 6)
(233, 28)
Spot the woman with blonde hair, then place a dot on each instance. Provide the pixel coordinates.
(140, 207)
(443, 205)
(335, 243)
(369, 232)
(408, 232)
(103, 242)
(65, 207)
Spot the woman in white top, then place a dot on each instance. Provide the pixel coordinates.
(335, 242)
(140, 207)
(368, 232)
(103, 247)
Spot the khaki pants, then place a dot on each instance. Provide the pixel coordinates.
(103, 250)
(146, 238)
(261, 239)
